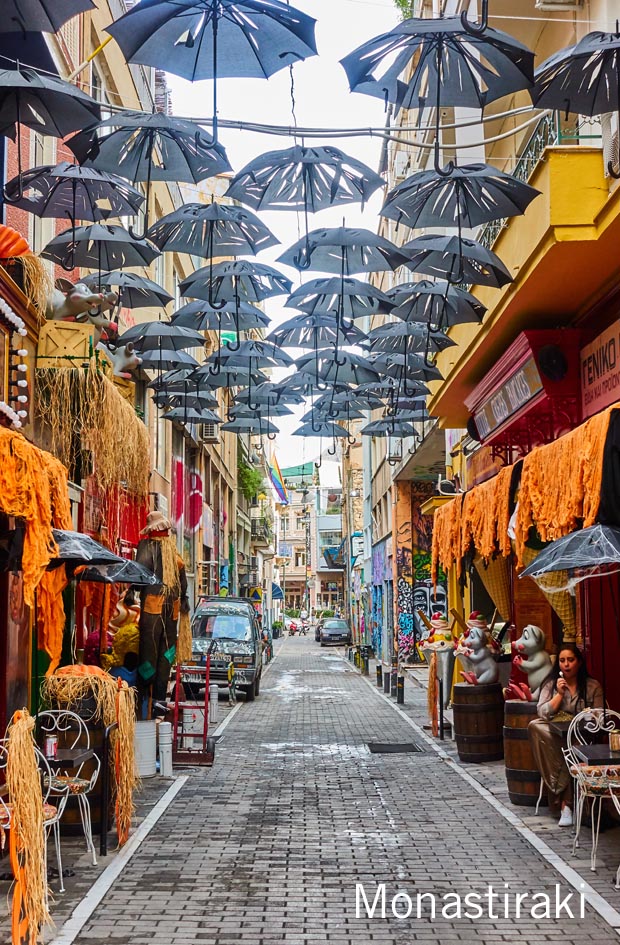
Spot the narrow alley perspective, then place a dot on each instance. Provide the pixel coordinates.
(270, 844)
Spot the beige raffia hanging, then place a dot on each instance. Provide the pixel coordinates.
(184, 641)
(495, 576)
(554, 586)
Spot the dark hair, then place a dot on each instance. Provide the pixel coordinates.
(582, 670)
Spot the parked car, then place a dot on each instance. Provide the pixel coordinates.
(229, 627)
(335, 630)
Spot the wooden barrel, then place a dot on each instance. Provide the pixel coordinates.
(521, 772)
(478, 713)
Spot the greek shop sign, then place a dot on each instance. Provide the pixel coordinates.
(600, 371)
(520, 388)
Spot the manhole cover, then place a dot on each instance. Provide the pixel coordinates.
(392, 748)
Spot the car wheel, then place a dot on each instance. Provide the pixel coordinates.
(249, 693)
(322, 644)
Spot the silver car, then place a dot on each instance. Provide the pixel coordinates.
(335, 630)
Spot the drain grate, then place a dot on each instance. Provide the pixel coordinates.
(392, 748)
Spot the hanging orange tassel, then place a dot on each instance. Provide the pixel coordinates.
(432, 694)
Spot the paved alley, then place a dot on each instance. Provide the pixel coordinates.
(268, 846)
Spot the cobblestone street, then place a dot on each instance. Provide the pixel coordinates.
(267, 847)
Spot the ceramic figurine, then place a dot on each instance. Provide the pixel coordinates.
(477, 648)
(531, 657)
(440, 641)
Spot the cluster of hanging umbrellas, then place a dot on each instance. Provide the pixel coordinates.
(435, 63)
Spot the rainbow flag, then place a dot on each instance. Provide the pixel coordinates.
(277, 481)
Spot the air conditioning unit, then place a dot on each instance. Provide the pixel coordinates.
(253, 563)
(549, 6)
(210, 433)
(400, 165)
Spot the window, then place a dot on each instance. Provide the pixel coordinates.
(43, 151)
(284, 523)
(300, 521)
(300, 559)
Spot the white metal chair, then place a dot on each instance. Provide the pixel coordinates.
(52, 812)
(595, 781)
(72, 733)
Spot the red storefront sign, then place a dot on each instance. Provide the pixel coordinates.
(600, 371)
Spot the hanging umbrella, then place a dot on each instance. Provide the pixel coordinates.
(74, 192)
(584, 79)
(42, 102)
(343, 250)
(211, 230)
(40, 16)
(160, 360)
(230, 317)
(454, 259)
(435, 303)
(207, 39)
(127, 572)
(176, 379)
(148, 148)
(258, 353)
(161, 336)
(314, 331)
(333, 296)
(323, 428)
(99, 246)
(268, 394)
(251, 425)
(134, 291)
(324, 370)
(388, 387)
(586, 553)
(447, 63)
(326, 413)
(472, 195)
(195, 397)
(226, 281)
(78, 548)
(389, 427)
(355, 398)
(404, 365)
(186, 414)
(407, 338)
(240, 411)
(229, 375)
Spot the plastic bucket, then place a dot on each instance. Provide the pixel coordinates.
(165, 749)
(213, 702)
(145, 747)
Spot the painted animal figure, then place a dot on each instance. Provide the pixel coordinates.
(475, 645)
(68, 302)
(531, 657)
(124, 359)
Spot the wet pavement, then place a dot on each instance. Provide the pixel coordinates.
(269, 845)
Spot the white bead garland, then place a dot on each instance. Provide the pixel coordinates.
(19, 326)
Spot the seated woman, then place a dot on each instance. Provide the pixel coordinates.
(568, 689)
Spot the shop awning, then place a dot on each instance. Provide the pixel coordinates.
(276, 592)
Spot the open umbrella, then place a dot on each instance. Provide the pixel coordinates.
(326, 370)
(437, 304)
(99, 246)
(226, 281)
(349, 298)
(149, 148)
(323, 428)
(206, 39)
(314, 331)
(269, 394)
(192, 397)
(589, 551)
(447, 63)
(166, 360)
(186, 414)
(231, 316)
(389, 427)
(161, 336)
(454, 259)
(343, 250)
(134, 291)
(124, 572)
(251, 425)
(78, 548)
(40, 16)
(404, 366)
(211, 230)
(407, 338)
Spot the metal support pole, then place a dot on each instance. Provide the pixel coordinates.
(393, 681)
(400, 690)
(386, 682)
(441, 723)
(365, 666)
(379, 671)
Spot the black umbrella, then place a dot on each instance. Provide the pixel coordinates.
(300, 178)
(326, 412)
(404, 366)
(454, 259)
(447, 63)
(176, 379)
(407, 337)
(100, 247)
(322, 428)
(127, 572)
(257, 353)
(314, 331)
(134, 291)
(206, 39)
(187, 414)
(211, 230)
(191, 397)
(251, 425)
(166, 360)
(230, 317)
(355, 398)
(437, 304)
(229, 375)
(269, 394)
(472, 195)
(144, 147)
(42, 102)
(388, 387)
(228, 281)
(389, 427)
(161, 336)
(343, 250)
(584, 79)
(77, 193)
(40, 16)
(239, 411)
(326, 370)
(348, 298)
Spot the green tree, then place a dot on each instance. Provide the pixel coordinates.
(249, 480)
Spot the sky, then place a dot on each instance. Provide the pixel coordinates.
(323, 100)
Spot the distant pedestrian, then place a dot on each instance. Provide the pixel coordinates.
(232, 683)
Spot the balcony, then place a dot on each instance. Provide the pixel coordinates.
(261, 532)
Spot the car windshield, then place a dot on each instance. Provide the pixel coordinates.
(335, 625)
(223, 626)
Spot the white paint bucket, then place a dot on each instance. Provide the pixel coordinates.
(145, 748)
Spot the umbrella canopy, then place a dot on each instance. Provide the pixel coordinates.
(268, 394)
(389, 427)
(407, 337)
(349, 298)
(452, 65)
(211, 230)
(239, 411)
(388, 387)
(99, 246)
(192, 397)
(405, 366)
(134, 291)
(176, 379)
(258, 353)
(40, 16)
(186, 414)
(588, 552)
(352, 369)
(161, 336)
(342, 411)
(230, 317)
(321, 428)
(127, 572)
(165, 360)
(454, 259)
(204, 39)
(78, 193)
(314, 331)
(300, 178)
(356, 399)
(229, 375)
(344, 250)
(435, 303)
(42, 102)
(227, 281)
(78, 548)
(472, 195)
(250, 425)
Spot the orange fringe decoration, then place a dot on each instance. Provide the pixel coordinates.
(561, 483)
(485, 518)
(446, 545)
(431, 695)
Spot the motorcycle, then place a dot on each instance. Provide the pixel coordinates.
(292, 629)
(304, 628)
